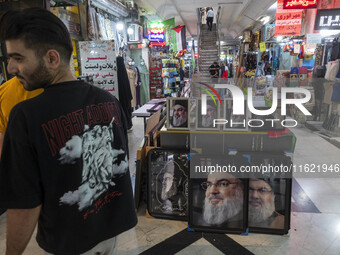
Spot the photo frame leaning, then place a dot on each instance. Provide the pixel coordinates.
(217, 201)
(167, 184)
(206, 122)
(178, 113)
(269, 198)
(234, 122)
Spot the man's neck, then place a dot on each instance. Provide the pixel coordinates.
(63, 76)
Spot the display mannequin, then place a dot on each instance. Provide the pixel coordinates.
(144, 86)
(138, 83)
(133, 78)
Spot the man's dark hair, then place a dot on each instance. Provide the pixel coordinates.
(39, 29)
(215, 63)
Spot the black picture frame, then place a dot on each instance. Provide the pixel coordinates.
(199, 216)
(275, 201)
(171, 102)
(168, 167)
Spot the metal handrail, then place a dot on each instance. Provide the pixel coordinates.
(218, 32)
(199, 24)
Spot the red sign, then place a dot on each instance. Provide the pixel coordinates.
(158, 44)
(299, 4)
(288, 23)
(157, 30)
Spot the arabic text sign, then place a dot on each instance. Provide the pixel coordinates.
(299, 4)
(288, 22)
(313, 38)
(328, 19)
(98, 59)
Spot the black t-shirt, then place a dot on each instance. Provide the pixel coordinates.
(67, 150)
(214, 72)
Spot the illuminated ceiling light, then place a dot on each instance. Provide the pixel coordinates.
(265, 20)
(120, 26)
(130, 31)
(279, 38)
(325, 33)
(240, 37)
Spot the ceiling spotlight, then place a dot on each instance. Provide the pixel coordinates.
(265, 20)
(130, 31)
(120, 26)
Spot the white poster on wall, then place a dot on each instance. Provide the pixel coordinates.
(98, 59)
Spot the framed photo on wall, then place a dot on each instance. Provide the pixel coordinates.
(269, 199)
(218, 201)
(206, 122)
(235, 122)
(178, 116)
(168, 172)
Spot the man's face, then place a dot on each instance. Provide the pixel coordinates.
(261, 201)
(208, 119)
(179, 115)
(169, 187)
(29, 69)
(221, 186)
(223, 198)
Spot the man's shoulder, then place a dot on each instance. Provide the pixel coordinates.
(14, 82)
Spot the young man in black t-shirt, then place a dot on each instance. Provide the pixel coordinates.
(64, 162)
(214, 70)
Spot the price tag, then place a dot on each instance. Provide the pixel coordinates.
(297, 48)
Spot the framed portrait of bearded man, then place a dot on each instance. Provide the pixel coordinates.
(217, 199)
(206, 113)
(168, 172)
(178, 113)
(270, 196)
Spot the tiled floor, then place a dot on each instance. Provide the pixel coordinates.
(310, 234)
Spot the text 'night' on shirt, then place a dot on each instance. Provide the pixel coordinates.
(67, 150)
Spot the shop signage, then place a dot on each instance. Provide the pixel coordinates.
(328, 19)
(156, 37)
(157, 32)
(262, 46)
(288, 22)
(299, 4)
(157, 25)
(157, 44)
(98, 59)
(313, 38)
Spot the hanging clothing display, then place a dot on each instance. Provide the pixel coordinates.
(133, 78)
(138, 86)
(92, 26)
(124, 90)
(332, 70)
(144, 86)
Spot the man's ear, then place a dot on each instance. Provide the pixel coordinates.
(52, 59)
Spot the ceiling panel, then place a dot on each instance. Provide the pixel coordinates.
(236, 15)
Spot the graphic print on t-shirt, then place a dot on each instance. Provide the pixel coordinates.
(100, 164)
